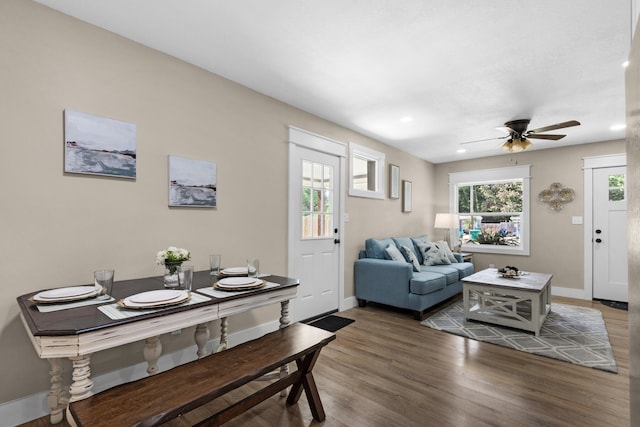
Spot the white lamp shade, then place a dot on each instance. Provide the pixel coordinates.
(447, 220)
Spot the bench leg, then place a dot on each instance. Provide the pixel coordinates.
(305, 366)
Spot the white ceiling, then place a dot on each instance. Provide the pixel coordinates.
(458, 68)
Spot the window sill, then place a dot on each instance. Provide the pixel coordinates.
(495, 249)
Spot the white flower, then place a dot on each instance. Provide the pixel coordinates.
(172, 254)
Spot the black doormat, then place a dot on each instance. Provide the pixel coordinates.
(331, 323)
(615, 304)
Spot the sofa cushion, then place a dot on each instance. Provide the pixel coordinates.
(426, 282)
(394, 253)
(464, 269)
(375, 248)
(432, 254)
(410, 257)
(450, 273)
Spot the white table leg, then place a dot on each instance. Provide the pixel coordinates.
(465, 300)
(81, 377)
(201, 335)
(284, 314)
(285, 320)
(224, 337)
(58, 398)
(152, 352)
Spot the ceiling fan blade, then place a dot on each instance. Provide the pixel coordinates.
(482, 140)
(546, 136)
(553, 127)
(505, 129)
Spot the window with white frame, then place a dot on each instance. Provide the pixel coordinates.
(493, 208)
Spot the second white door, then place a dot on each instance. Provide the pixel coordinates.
(609, 237)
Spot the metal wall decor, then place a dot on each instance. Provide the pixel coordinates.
(556, 196)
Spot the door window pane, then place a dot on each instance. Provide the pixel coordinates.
(616, 188)
(317, 200)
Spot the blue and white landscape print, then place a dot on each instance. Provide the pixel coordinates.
(192, 182)
(99, 145)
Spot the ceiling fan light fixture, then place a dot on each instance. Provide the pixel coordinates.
(507, 146)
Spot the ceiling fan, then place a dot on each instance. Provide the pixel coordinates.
(518, 135)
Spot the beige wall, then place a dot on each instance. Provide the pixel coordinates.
(58, 228)
(556, 244)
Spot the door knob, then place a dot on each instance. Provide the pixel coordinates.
(336, 241)
(598, 231)
(598, 240)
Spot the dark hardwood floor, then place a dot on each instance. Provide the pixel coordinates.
(387, 370)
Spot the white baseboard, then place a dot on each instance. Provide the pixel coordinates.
(570, 293)
(348, 303)
(34, 406)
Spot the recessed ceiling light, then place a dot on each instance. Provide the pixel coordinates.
(619, 126)
(625, 64)
(406, 119)
(461, 150)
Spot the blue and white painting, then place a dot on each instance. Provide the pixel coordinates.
(99, 145)
(192, 182)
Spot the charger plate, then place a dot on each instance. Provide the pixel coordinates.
(239, 283)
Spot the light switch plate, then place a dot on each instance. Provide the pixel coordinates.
(576, 220)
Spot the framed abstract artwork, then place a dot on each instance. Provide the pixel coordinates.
(192, 183)
(406, 196)
(394, 183)
(98, 145)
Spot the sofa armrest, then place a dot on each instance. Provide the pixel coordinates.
(383, 281)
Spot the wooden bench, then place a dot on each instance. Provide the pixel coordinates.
(159, 398)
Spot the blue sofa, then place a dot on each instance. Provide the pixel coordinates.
(380, 279)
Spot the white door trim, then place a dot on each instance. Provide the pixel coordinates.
(589, 164)
(302, 138)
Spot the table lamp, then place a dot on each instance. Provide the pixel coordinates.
(447, 221)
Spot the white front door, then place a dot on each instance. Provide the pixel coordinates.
(609, 237)
(315, 183)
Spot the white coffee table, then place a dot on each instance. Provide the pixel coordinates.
(522, 302)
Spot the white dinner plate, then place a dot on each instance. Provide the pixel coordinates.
(76, 293)
(234, 271)
(181, 297)
(72, 291)
(238, 281)
(152, 297)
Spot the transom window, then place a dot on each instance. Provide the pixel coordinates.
(493, 207)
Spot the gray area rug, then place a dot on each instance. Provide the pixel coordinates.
(570, 333)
